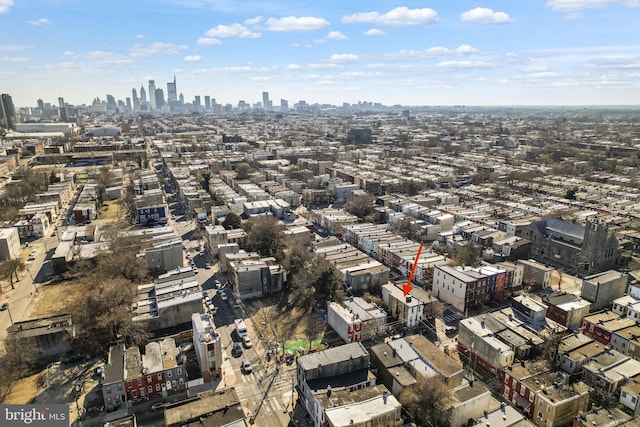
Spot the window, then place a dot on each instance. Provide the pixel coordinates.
(506, 378)
(157, 387)
(549, 408)
(149, 378)
(134, 394)
(129, 384)
(179, 371)
(169, 374)
(108, 389)
(139, 381)
(149, 389)
(181, 381)
(531, 397)
(120, 386)
(160, 376)
(624, 394)
(539, 415)
(522, 389)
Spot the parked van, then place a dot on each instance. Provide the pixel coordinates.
(241, 328)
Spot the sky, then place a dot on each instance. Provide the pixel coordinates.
(445, 52)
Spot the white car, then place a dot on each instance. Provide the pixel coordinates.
(223, 296)
(246, 366)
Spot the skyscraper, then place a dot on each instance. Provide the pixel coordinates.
(152, 94)
(41, 104)
(159, 98)
(7, 112)
(111, 103)
(207, 102)
(284, 105)
(128, 103)
(266, 104)
(143, 95)
(62, 110)
(196, 103)
(172, 93)
(136, 101)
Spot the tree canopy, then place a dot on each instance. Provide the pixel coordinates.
(231, 221)
(361, 206)
(265, 236)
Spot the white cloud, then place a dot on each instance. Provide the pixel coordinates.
(293, 67)
(155, 49)
(208, 41)
(465, 48)
(483, 15)
(336, 35)
(192, 58)
(319, 41)
(39, 22)
(398, 17)
(233, 30)
(14, 47)
(374, 32)
(344, 57)
(139, 36)
(578, 5)
(14, 59)
(296, 24)
(253, 21)
(464, 64)
(5, 6)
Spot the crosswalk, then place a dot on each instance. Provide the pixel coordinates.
(452, 317)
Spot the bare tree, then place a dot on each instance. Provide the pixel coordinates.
(313, 326)
(361, 206)
(10, 268)
(426, 400)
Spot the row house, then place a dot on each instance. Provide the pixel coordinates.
(467, 287)
(609, 370)
(602, 325)
(627, 341)
(519, 384)
(356, 319)
(566, 309)
(627, 306)
(479, 343)
(409, 309)
(130, 376)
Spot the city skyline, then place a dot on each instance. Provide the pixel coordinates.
(554, 52)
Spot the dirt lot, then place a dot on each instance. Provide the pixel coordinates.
(110, 210)
(287, 321)
(56, 299)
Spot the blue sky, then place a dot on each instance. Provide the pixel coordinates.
(493, 52)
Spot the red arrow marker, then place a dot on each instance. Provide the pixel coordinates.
(407, 287)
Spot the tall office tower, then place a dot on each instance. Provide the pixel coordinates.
(152, 94)
(143, 95)
(266, 104)
(62, 110)
(284, 105)
(111, 103)
(41, 104)
(7, 112)
(159, 98)
(207, 102)
(181, 99)
(172, 93)
(128, 103)
(196, 103)
(136, 101)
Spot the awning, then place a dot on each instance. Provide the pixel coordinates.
(522, 402)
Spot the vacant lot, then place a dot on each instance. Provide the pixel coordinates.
(53, 299)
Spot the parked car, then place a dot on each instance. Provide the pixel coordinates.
(224, 296)
(236, 351)
(207, 265)
(246, 341)
(246, 366)
(217, 283)
(4, 306)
